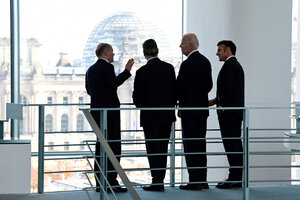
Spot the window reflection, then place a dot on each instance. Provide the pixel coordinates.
(64, 123)
(55, 57)
(49, 123)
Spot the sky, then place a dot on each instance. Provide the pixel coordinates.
(64, 25)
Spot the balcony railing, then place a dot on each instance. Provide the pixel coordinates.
(252, 137)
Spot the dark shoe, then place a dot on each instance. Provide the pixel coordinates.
(194, 186)
(224, 185)
(154, 188)
(204, 185)
(117, 189)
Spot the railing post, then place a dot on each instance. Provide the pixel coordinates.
(111, 155)
(297, 116)
(1, 130)
(172, 157)
(103, 155)
(246, 155)
(15, 63)
(41, 149)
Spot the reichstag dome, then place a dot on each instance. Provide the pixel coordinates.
(121, 28)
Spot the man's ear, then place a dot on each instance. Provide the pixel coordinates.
(228, 50)
(105, 53)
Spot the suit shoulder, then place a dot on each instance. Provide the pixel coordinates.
(197, 56)
(141, 69)
(107, 65)
(234, 62)
(90, 69)
(167, 64)
(198, 60)
(167, 67)
(233, 66)
(204, 58)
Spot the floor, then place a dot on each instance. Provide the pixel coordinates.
(255, 193)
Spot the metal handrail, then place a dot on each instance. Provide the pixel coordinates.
(177, 140)
(110, 154)
(245, 141)
(119, 169)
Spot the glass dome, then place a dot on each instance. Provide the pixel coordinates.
(120, 28)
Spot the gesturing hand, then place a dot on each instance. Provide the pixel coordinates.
(129, 64)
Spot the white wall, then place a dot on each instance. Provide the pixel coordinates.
(261, 29)
(15, 168)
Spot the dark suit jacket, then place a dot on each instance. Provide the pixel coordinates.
(155, 86)
(230, 86)
(194, 82)
(101, 84)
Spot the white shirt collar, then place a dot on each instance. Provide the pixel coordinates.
(104, 59)
(151, 58)
(192, 52)
(229, 57)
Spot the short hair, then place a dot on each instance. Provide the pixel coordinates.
(101, 48)
(230, 44)
(192, 38)
(195, 42)
(150, 48)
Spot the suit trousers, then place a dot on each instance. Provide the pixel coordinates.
(230, 125)
(113, 133)
(195, 127)
(157, 131)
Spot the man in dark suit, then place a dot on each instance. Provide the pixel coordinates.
(230, 93)
(194, 82)
(101, 84)
(155, 86)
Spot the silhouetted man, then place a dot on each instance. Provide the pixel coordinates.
(194, 82)
(101, 85)
(155, 86)
(230, 93)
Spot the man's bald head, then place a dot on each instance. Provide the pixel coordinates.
(189, 43)
(101, 48)
(192, 38)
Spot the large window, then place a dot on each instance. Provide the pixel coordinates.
(49, 123)
(55, 57)
(80, 100)
(64, 123)
(295, 86)
(65, 100)
(50, 147)
(49, 100)
(23, 100)
(66, 146)
(4, 56)
(79, 122)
